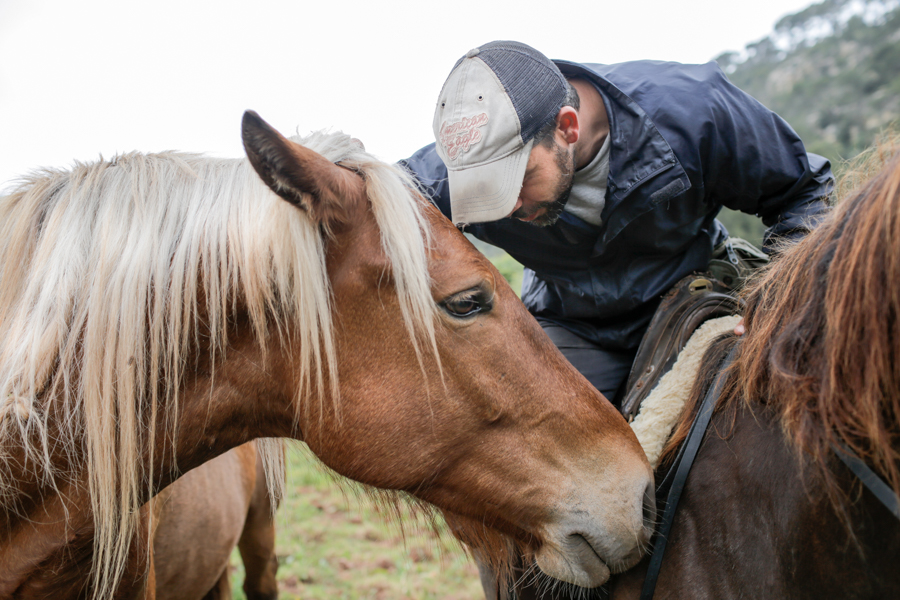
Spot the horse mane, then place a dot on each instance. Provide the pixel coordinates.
(108, 273)
(822, 347)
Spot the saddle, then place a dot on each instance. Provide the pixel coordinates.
(693, 300)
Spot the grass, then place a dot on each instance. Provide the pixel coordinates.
(334, 541)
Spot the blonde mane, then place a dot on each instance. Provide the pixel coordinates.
(106, 273)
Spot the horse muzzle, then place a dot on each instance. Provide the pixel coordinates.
(589, 543)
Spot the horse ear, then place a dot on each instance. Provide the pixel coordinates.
(306, 179)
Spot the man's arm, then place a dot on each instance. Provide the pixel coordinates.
(756, 163)
(737, 151)
(803, 207)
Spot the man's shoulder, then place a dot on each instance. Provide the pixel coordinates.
(652, 72)
(676, 97)
(649, 77)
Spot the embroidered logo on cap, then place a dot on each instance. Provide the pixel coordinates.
(458, 137)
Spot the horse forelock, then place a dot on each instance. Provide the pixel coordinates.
(822, 346)
(107, 269)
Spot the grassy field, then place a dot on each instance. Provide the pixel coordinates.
(336, 542)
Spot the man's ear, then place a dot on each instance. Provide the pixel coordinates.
(568, 125)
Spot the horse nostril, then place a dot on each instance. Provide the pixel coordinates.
(649, 512)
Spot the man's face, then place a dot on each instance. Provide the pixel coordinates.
(546, 186)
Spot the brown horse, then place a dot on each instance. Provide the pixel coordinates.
(158, 310)
(769, 511)
(202, 517)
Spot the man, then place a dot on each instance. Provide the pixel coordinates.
(604, 181)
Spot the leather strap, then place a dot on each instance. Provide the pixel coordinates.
(870, 478)
(682, 468)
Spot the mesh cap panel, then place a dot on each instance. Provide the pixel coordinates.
(534, 84)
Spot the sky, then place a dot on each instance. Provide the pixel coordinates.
(84, 78)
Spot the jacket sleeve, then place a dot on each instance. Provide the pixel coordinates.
(756, 163)
(431, 173)
(803, 207)
(793, 210)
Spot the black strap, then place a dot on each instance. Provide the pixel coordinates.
(869, 478)
(682, 469)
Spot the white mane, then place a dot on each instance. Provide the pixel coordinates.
(103, 272)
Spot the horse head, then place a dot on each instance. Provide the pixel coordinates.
(158, 310)
(466, 403)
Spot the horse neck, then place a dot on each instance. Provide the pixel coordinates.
(47, 547)
(254, 391)
(246, 394)
(52, 525)
(755, 520)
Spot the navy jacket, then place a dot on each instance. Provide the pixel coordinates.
(684, 142)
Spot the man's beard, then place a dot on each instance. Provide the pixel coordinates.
(553, 208)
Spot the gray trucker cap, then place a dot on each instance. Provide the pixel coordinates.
(493, 103)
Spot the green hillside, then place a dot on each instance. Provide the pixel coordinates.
(838, 91)
(832, 71)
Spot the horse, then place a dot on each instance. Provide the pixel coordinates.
(769, 509)
(198, 520)
(158, 310)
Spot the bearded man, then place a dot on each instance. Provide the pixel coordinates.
(604, 181)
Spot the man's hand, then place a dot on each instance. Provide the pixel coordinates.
(739, 329)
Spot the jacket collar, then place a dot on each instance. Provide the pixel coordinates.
(638, 152)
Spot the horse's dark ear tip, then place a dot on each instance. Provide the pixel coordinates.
(251, 120)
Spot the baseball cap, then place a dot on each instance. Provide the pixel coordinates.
(495, 100)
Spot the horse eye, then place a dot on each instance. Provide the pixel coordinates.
(466, 304)
(463, 308)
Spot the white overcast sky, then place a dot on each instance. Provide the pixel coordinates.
(80, 78)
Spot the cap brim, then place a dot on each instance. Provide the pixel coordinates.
(488, 192)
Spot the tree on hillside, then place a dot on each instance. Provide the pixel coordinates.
(832, 70)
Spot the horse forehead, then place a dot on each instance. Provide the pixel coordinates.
(449, 242)
(453, 257)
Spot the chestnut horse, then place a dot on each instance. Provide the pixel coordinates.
(769, 510)
(158, 310)
(198, 520)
